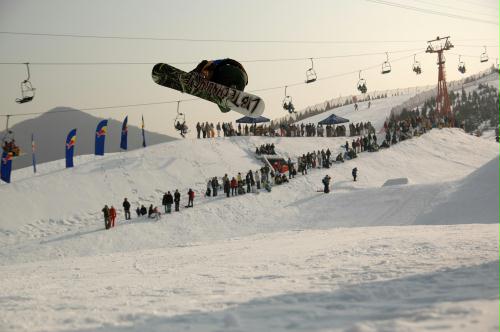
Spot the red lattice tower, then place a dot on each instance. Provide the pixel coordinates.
(439, 45)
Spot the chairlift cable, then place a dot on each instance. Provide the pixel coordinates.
(197, 99)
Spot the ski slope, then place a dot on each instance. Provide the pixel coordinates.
(366, 257)
(379, 110)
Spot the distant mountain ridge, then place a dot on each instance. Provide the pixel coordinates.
(50, 132)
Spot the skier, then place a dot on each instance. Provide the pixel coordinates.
(112, 216)
(354, 173)
(190, 198)
(227, 72)
(326, 184)
(177, 199)
(126, 207)
(105, 211)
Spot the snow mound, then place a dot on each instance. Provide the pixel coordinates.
(472, 200)
(395, 182)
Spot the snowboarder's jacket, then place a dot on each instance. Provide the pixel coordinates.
(126, 205)
(112, 213)
(354, 171)
(191, 194)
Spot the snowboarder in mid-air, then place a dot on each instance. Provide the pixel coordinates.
(219, 81)
(227, 72)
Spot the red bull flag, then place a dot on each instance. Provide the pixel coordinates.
(123, 141)
(100, 137)
(143, 133)
(33, 152)
(70, 147)
(6, 166)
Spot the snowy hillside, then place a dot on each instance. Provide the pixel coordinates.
(290, 259)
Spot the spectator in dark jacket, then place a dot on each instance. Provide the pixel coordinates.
(355, 173)
(215, 186)
(169, 200)
(126, 207)
(144, 211)
(326, 184)
(164, 202)
(177, 199)
(105, 211)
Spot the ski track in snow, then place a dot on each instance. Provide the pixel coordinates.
(293, 259)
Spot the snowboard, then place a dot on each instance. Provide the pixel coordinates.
(193, 83)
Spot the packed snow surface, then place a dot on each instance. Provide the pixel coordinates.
(366, 257)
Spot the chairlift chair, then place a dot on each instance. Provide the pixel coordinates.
(288, 104)
(311, 74)
(180, 121)
(27, 89)
(362, 84)
(461, 65)
(417, 69)
(386, 66)
(484, 56)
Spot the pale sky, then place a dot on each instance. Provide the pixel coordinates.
(85, 86)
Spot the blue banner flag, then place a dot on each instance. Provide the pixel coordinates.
(143, 133)
(6, 166)
(70, 147)
(100, 137)
(123, 141)
(33, 147)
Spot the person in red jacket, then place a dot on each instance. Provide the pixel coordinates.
(112, 216)
(234, 186)
(190, 198)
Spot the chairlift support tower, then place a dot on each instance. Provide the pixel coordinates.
(439, 45)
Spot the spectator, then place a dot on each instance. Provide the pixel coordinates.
(177, 199)
(227, 186)
(168, 203)
(326, 184)
(126, 207)
(190, 198)
(215, 186)
(112, 216)
(144, 211)
(164, 201)
(234, 186)
(105, 211)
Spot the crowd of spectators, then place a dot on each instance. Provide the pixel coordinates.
(267, 149)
